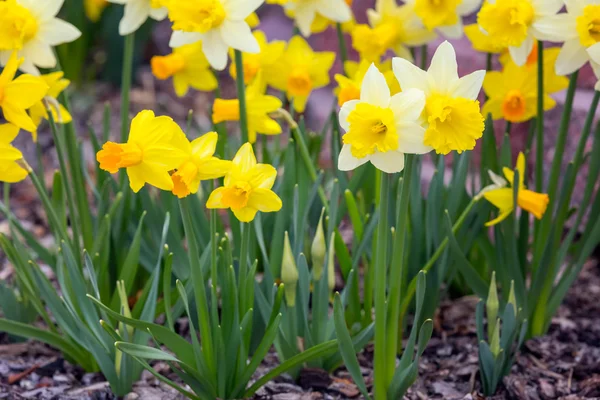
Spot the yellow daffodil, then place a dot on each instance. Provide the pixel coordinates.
(517, 23)
(219, 24)
(137, 12)
(31, 28)
(381, 128)
(253, 21)
(393, 28)
(349, 86)
(300, 71)
(60, 114)
(482, 42)
(94, 8)
(503, 198)
(444, 15)
(258, 108)
(270, 53)
(17, 95)
(10, 170)
(247, 187)
(156, 145)
(305, 12)
(452, 116)
(578, 29)
(188, 66)
(200, 165)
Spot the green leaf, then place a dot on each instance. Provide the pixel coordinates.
(145, 352)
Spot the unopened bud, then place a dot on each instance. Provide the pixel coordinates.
(318, 249)
(492, 305)
(289, 272)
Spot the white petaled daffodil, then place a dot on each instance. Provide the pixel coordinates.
(30, 28)
(219, 24)
(578, 28)
(516, 23)
(445, 16)
(137, 12)
(452, 116)
(594, 54)
(381, 128)
(305, 12)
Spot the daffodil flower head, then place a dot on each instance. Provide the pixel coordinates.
(17, 95)
(94, 8)
(516, 23)
(444, 15)
(349, 86)
(219, 24)
(381, 128)
(262, 62)
(306, 11)
(483, 42)
(137, 12)
(259, 106)
(156, 145)
(57, 84)
(201, 164)
(10, 170)
(247, 187)
(31, 28)
(300, 71)
(452, 117)
(188, 67)
(503, 198)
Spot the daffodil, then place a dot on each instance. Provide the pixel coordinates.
(258, 108)
(444, 15)
(482, 42)
(594, 53)
(17, 95)
(219, 24)
(517, 23)
(247, 187)
(39, 110)
(200, 165)
(300, 71)
(253, 21)
(381, 128)
(188, 67)
(94, 8)
(137, 12)
(392, 27)
(31, 28)
(305, 12)
(452, 116)
(349, 86)
(10, 170)
(262, 62)
(503, 198)
(156, 145)
(321, 23)
(578, 29)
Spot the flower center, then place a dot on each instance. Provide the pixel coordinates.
(226, 110)
(533, 202)
(184, 178)
(436, 13)
(299, 83)
(164, 67)
(119, 155)
(372, 129)
(513, 106)
(347, 93)
(251, 67)
(17, 26)
(153, 3)
(588, 25)
(507, 21)
(196, 16)
(454, 123)
(236, 196)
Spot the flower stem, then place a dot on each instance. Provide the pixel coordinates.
(423, 56)
(342, 45)
(126, 84)
(488, 62)
(243, 267)
(380, 366)
(241, 92)
(308, 163)
(539, 161)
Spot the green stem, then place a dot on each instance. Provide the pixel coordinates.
(539, 162)
(342, 45)
(243, 267)
(308, 163)
(241, 92)
(424, 56)
(488, 62)
(127, 73)
(412, 287)
(7, 195)
(381, 351)
(396, 269)
(213, 242)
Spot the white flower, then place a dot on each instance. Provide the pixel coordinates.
(305, 12)
(381, 128)
(452, 114)
(594, 54)
(137, 12)
(31, 28)
(577, 28)
(219, 24)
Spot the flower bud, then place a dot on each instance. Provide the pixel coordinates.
(492, 305)
(289, 272)
(318, 249)
(331, 264)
